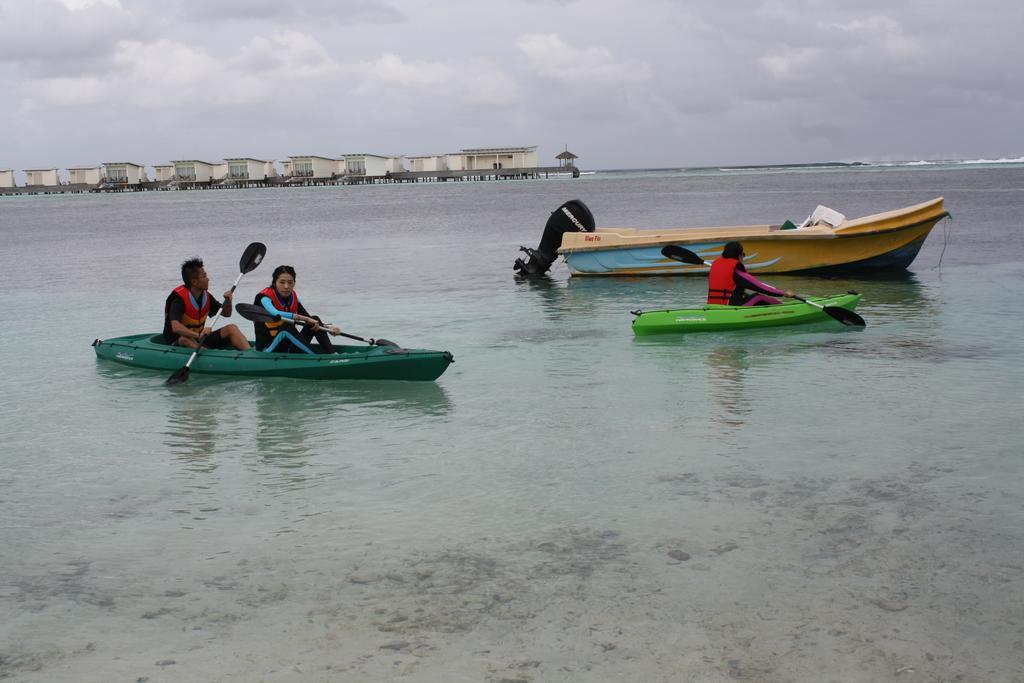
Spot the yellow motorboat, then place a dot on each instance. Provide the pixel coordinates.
(826, 242)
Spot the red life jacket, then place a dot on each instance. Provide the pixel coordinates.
(720, 282)
(193, 318)
(274, 327)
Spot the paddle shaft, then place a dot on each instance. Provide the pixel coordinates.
(812, 303)
(213, 324)
(324, 327)
(257, 313)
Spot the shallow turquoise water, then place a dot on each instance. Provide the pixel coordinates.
(845, 499)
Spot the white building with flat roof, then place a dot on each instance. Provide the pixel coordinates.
(483, 158)
(193, 171)
(124, 173)
(370, 165)
(163, 172)
(455, 162)
(7, 178)
(428, 163)
(85, 175)
(395, 165)
(245, 168)
(46, 177)
(315, 167)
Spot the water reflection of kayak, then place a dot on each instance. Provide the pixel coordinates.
(713, 318)
(349, 362)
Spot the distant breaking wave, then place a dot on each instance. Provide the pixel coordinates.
(953, 162)
(937, 164)
(1018, 160)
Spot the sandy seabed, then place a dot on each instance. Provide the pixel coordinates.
(736, 577)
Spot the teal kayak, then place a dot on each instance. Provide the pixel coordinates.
(715, 318)
(348, 362)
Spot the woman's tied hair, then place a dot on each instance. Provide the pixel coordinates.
(732, 250)
(283, 269)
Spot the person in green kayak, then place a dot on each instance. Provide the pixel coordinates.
(190, 304)
(729, 282)
(283, 336)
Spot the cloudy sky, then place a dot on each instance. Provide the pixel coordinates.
(640, 83)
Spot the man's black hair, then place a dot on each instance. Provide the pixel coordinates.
(732, 250)
(190, 269)
(282, 269)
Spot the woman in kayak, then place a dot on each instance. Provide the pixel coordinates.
(728, 282)
(281, 299)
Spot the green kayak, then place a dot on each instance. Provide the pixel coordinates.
(715, 318)
(349, 362)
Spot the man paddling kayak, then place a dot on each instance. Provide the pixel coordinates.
(728, 281)
(190, 304)
(280, 299)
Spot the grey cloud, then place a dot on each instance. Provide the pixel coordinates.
(47, 39)
(335, 11)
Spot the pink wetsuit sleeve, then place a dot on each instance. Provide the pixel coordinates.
(748, 281)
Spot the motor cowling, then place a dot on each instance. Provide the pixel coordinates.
(573, 216)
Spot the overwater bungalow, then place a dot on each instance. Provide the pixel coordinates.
(428, 163)
(85, 175)
(191, 172)
(370, 166)
(41, 177)
(246, 170)
(313, 170)
(395, 164)
(164, 172)
(6, 178)
(455, 161)
(123, 175)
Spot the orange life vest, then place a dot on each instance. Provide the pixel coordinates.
(293, 307)
(720, 281)
(195, 316)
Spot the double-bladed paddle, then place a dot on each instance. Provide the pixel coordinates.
(259, 314)
(678, 253)
(251, 257)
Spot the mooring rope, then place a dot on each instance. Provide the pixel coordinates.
(947, 230)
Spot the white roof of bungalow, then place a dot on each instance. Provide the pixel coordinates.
(49, 168)
(365, 154)
(193, 161)
(427, 156)
(162, 165)
(492, 150)
(262, 161)
(311, 156)
(121, 163)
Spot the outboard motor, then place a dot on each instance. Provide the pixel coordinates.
(573, 216)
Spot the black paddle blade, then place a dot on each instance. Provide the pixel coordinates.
(678, 253)
(180, 376)
(256, 313)
(252, 256)
(844, 316)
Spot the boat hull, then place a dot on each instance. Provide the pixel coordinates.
(350, 362)
(713, 318)
(883, 242)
